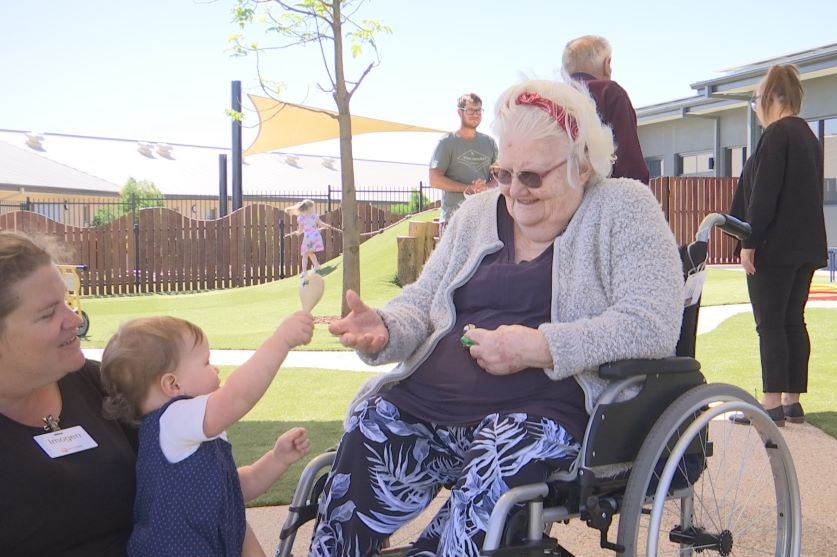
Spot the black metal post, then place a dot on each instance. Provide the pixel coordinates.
(329, 199)
(135, 214)
(222, 186)
(282, 248)
(236, 148)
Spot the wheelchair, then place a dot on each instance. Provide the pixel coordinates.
(666, 470)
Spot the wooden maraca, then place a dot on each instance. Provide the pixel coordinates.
(311, 290)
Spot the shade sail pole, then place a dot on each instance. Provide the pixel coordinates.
(237, 197)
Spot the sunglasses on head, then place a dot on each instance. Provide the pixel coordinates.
(528, 178)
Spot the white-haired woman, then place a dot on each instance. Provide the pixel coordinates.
(555, 272)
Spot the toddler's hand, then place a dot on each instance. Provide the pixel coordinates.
(297, 328)
(292, 445)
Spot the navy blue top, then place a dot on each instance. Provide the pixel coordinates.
(191, 508)
(450, 388)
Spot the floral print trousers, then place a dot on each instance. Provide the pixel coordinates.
(390, 466)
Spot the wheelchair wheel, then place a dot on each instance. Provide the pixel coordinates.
(704, 485)
(85, 325)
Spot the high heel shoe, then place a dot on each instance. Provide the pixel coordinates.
(794, 413)
(776, 414)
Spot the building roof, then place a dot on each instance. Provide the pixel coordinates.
(736, 86)
(181, 169)
(25, 168)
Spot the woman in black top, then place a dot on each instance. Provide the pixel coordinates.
(69, 492)
(780, 195)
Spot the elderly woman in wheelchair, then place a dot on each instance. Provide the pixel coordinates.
(533, 287)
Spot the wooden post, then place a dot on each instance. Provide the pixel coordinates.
(415, 249)
(408, 259)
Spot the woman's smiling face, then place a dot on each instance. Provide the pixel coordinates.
(39, 336)
(543, 212)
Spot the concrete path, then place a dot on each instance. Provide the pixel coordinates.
(814, 455)
(710, 318)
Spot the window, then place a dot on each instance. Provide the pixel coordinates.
(655, 166)
(736, 157)
(829, 139)
(49, 210)
(696, 164)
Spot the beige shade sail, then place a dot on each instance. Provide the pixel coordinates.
(284, 125)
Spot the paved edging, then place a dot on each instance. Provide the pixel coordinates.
(710, 318)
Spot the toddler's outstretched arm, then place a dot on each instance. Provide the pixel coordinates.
(258, 477)
(248, 383)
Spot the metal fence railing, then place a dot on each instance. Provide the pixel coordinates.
(81, 211)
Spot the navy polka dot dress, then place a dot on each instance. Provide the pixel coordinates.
(193, 508)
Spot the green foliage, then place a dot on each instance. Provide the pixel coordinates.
(307, 21)
(134, 194)
(412, 206)
(234, 115)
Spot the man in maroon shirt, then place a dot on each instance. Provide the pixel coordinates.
(587, 59)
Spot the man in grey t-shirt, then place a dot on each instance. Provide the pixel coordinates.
(460, 162)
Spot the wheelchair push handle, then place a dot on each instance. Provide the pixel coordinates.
(727, 223)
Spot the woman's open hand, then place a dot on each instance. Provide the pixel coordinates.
(363, 329)
(509, 349)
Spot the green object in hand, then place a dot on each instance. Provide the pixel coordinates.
(467, 342)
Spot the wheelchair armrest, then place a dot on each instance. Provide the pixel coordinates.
(630, 368)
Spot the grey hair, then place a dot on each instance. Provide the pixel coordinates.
(594, 143)
(585, 54)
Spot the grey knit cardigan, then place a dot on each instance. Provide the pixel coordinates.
(617, 287)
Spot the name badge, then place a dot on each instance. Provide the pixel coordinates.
(65, 441)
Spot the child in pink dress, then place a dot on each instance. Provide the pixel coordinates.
(309, 224)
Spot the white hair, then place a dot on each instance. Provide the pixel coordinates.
(585, 54)
(592, 145)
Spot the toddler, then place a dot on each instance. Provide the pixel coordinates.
(309, 224)
(190, 497)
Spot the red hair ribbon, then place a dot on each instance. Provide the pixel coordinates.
(566, 121)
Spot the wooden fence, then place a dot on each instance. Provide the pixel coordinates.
(686, 201)
(160, 250)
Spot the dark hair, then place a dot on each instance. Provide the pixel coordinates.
(140, 352)
(20, 256)
(468, 97)
(782, 84)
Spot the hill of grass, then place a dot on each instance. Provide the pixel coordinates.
(241, 318)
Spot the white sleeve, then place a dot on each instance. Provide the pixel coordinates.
(181, 428)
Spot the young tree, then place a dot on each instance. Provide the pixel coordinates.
(133, 195)
(329, 24)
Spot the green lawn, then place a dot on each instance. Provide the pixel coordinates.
(241, 318)
(318, 399)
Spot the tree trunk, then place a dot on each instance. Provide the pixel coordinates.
(351, 233)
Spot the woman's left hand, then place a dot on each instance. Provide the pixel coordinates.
(509, 349)
(748, 260)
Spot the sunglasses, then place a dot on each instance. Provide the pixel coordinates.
(528, 178)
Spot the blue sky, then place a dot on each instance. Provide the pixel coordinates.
(159, 70)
